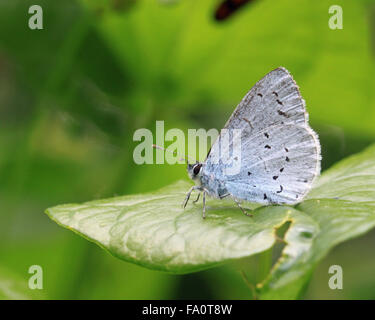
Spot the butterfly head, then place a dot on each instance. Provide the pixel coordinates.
(194, 170)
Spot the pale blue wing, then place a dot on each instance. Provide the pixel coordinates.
(280, 153)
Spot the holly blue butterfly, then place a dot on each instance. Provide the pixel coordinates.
(280, 153)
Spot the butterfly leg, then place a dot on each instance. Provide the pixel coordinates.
(186, 200)
(204, 205)
(242, 209)
(224, 196)
(196, 200)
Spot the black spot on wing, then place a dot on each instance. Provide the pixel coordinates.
(281, 189)
(282, 113)
(267, 146)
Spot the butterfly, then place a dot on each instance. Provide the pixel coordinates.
(280, 153)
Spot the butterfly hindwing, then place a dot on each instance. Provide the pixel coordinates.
(278, 165)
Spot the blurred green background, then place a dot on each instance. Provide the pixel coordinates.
(72, 95)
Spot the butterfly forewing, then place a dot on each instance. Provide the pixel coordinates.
(275, 99)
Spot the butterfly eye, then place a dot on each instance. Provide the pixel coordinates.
(197, 168)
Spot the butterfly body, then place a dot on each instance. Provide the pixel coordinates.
(278, 153)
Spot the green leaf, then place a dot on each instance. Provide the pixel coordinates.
(153, 230)
(340, 206)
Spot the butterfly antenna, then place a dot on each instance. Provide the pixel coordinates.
(173, 152)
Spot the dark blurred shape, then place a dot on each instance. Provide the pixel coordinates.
(187, 287)
(122, 5)
(228, 7)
